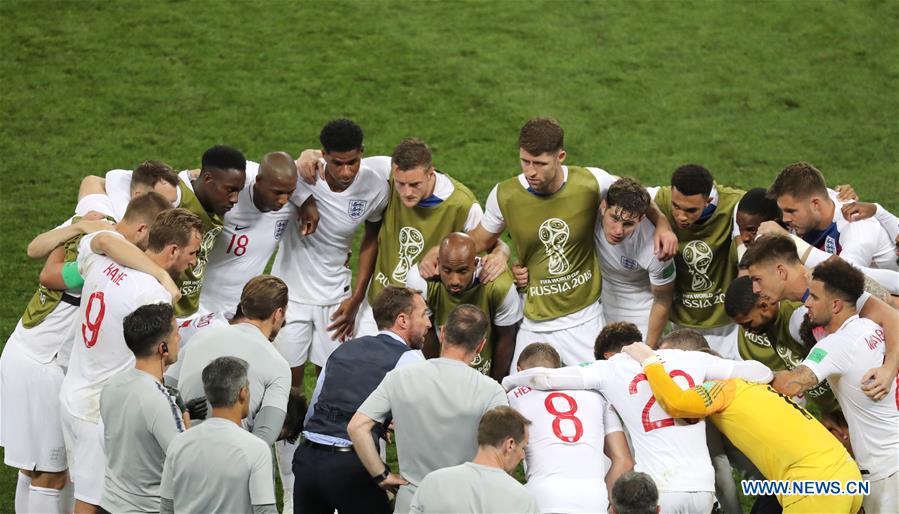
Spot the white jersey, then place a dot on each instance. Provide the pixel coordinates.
(862, 243)
(315, 267)
(494, 222)
(672, 451)
(630, 269)
(567, 440)
(191, 327)
(249, 238)
(118, 189)
(110, 293)
(843, 358)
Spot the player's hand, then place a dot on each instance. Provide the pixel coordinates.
(771, 227)
(392, 483)
(343, 321)
(876, 382)
(492, 266)
(89, 226)
(197, 408)
(308, 217)
(520, 274)
(169, 284)
(638, 351)
(845, 193)
(664, 243)
(427, 267)
(93, 215)
(309, 165)
(857, 211)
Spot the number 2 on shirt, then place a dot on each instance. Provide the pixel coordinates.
(93, 326)
(567, 414)
(240, 247)
(648, 424)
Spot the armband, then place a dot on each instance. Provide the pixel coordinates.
(71, 277)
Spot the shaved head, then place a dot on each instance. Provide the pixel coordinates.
(275, 182)
(457, 263)
(278, 166)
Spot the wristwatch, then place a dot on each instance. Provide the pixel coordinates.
(382, 477)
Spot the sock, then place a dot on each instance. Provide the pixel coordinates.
(22, 493)
(67, 497)
(285, 463)
(44, 500)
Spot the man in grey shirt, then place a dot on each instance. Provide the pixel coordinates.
(218, 466)
(436, 405)
(483, 485)
(140, 418)
(260, 315)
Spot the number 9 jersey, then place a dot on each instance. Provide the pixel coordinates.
(564, 458)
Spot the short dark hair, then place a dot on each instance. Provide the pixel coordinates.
(756, 202)
(692, 179)
(221, 157)
(740, 299)
(145, 208)
(466, 326)
(800, 180)
(770, 247)
(840, 279)
(629, 195)
(296, 413)
(539, 354)
(685, 339)
(411, 153)
(262, 296)
(146, 327)
(541, 135)
(149, 173)
(635, 493)
(499, 424)
(341, 135)
(223, 378)
(390, 303)
(614, 337)
(173, 226)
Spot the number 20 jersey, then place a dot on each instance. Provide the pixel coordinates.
(672, 451)
(99, 352)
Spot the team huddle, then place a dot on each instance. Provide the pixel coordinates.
(156, 366)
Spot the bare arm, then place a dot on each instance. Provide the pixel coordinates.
(344, 318)
(882, 378)
(664, 240)
(795, 381)
(92, 185)
(359, 430)
(503, 349)
(662, 296)
(41, 246)
(484, 240)
(51, 275)
(617, 451)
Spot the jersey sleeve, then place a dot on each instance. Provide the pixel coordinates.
(475, 215)
(721, 369)
(697, 402)
(164, 421)
(414, 281)
(610, 420)
(661, 273)
(603, 178)
(301, 193)
(829, 357)
(377, 405)
(796, 322)
(86, 255)
(262, 483)
(653, 191)
(118, 189)
(888, 221)
(377, 213)
(380, 164)
(499, 398)
(493, 220)
(510, 311)
(859, 240)
(167, 482)
(95, 202)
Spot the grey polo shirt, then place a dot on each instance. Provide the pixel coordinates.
(218, 467)
(472, 488)
(140, 420)
(269, 373)
(436, 406)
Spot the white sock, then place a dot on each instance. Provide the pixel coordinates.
(44, 500)
(285, 463)
(22, 493)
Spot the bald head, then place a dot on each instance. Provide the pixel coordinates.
(457, 262)
(275, 182)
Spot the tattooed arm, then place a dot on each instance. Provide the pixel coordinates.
(796, 381)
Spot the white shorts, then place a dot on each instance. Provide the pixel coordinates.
(365, 320)
(561, 494)
(304, 336)
(574, 344)
(676, 502)
(639, 317)
(29, 412)
(883, 495)
(86, 455)
(721, 339)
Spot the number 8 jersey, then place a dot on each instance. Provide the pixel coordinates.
(99, 352)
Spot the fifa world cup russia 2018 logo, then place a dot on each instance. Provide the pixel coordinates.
(554, 234)
(698, 257)
(411, 244)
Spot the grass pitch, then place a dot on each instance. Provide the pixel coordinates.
(641, 87)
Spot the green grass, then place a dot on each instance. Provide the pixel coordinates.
(641, 87)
